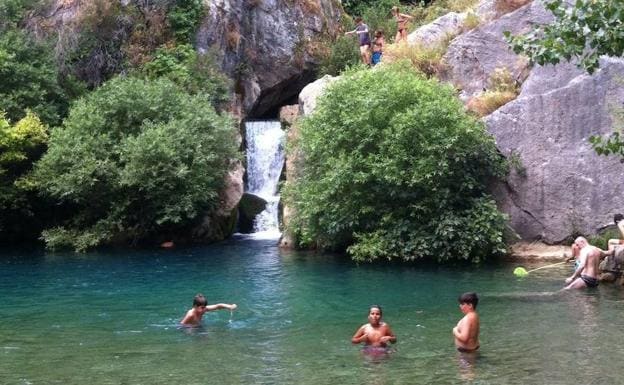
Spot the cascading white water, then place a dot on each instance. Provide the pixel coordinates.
(265, 160)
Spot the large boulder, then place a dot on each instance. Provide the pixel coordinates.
(473, 56)
(558, 185)
(439, 30)
(268, 47)
(221, 223)
(249, 207)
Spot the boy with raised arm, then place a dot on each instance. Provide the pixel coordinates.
(375, 333)
(361, 30)
(194, 316)
(466, 332)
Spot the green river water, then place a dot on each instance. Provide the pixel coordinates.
(111, 318)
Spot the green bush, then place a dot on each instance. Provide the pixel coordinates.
(194, 72)
(343, 53)
(20, 145)
(29, 79)
(12, 11)
(135, 158)
(184, 18)
(393, 167)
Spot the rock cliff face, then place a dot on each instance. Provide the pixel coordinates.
(268, 46)
(558, 187)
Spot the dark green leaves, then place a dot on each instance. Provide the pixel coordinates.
(586, 31)
(394, 168)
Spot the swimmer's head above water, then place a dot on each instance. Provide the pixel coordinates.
(374, 314)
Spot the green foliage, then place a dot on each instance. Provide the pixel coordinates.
(614, 143)
(12, 11)
(586, 30)
(184, 18)
(29, 79)
(135, 158)
(195, 73)
(343, 53)
(392, 167)
(20, 145)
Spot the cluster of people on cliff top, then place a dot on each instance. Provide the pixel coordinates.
(377, 44)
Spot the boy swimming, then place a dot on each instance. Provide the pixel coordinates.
(194, 316)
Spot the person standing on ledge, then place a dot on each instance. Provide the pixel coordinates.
(466, 332)
(401, 19)
(361, 30)
(586, 274)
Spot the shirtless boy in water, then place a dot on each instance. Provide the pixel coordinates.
(194, 316)
(466, 332)
(375, 333)
(586, 274)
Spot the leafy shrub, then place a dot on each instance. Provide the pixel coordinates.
(392, 167)
(184, 18)
(132, 159)
(343, 53)
(20, 145)
(29, 79)
(12, 11)
(194, 72)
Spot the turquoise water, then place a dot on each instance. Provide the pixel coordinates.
(110, 318)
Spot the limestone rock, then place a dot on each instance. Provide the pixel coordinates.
(268, 46)
(472, 57)
(220, 224)
(249, 207)
(561, 186)
(310, 93)
(434, 33)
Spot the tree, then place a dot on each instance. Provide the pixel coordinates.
(393, 167)
(586, 30)
(20, 145)
(135, 158)
(29, 79)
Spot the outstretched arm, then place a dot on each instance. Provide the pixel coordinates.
(221, 306)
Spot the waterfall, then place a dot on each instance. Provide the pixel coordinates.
(265, 160)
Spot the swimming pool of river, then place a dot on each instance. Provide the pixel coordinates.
(111, 318)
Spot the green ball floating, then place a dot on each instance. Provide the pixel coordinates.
(520, 272)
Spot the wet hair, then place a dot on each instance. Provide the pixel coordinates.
(199, 300)
(379, 33)
(357, 19)
(469, 298)
(617, 217)
(375, 307)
